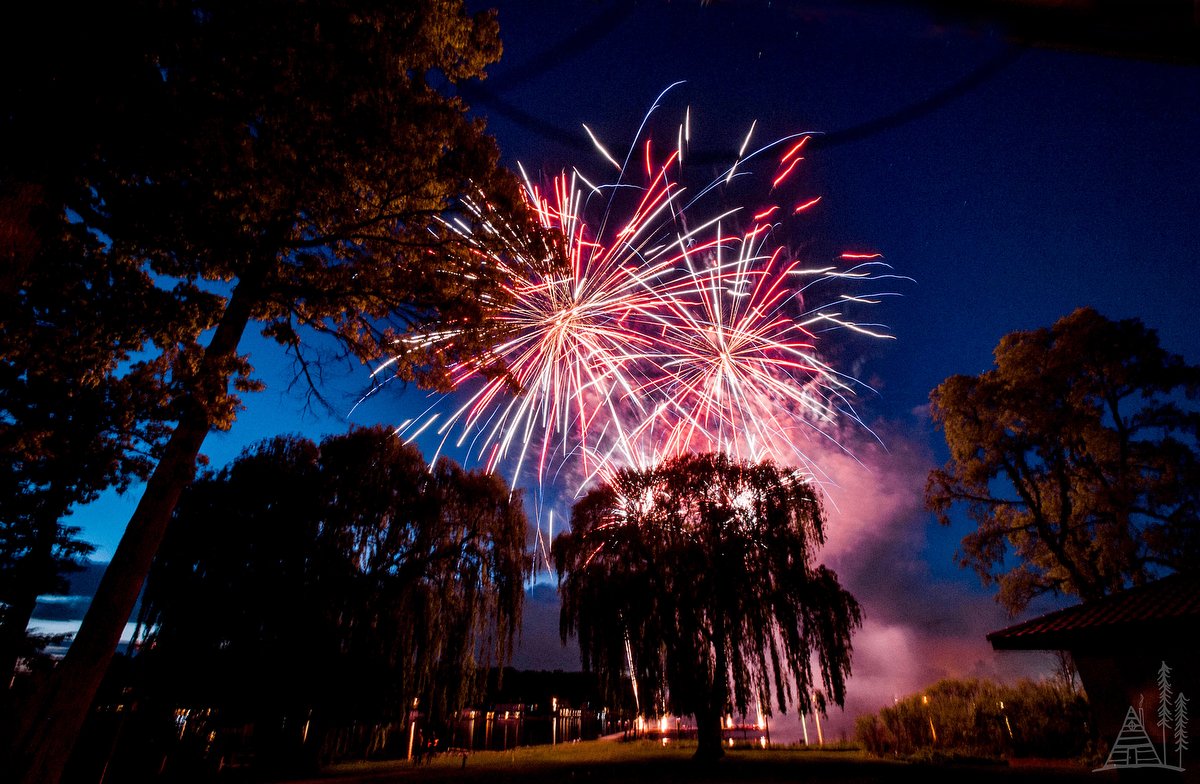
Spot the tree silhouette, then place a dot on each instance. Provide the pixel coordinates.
(697, 578)
(1078, 452)
(300, 573)
(299, 157)
(77, 414)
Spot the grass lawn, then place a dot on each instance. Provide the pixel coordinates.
(596, 762)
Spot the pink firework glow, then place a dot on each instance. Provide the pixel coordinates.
(668, 334)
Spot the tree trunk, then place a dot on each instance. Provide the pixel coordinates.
(51, 720)
(708, 722)
(708, 735)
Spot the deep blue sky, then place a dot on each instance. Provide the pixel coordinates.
(1012, 185)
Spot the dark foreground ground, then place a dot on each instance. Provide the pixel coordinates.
(646, 762)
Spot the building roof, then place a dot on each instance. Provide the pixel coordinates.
(1167, 602)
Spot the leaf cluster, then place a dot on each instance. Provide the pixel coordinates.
(699, 573)
(1076, 458)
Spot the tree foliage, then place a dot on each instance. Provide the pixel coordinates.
(77, 414)
(697, 576)
(1075, 457)
(334, 584)
(981, 718)
(299, 159)
(310, 149)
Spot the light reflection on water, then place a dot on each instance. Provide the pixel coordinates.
(490, 731)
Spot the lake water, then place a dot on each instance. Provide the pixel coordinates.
(499, 730)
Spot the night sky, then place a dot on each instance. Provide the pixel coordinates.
(1011, 184)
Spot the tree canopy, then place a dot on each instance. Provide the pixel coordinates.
(77, 414)
(1076, 459)
(334, 584)
(301, 161)
(697, 577)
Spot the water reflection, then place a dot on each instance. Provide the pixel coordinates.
(509, 726)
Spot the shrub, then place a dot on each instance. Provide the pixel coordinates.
(981, 718)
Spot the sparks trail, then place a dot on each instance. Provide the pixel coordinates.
(669, 333)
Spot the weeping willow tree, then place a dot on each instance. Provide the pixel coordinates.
(698, 577)
(320, 586)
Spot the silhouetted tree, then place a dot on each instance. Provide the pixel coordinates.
(77, 415)
(232, 616)
(1078, 452)
(300, 156)
(335, 584)
(697, 578)
(441, 556)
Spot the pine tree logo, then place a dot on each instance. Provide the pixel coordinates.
(1133, 747)
(1181, 727)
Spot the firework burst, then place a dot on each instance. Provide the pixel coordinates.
(667, 334)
